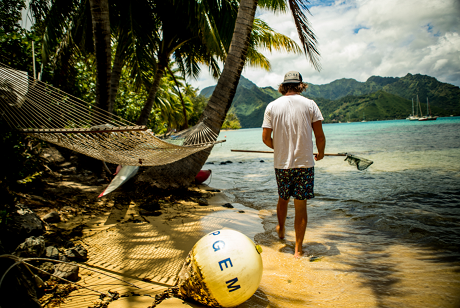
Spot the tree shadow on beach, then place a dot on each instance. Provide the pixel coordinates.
(373, 266)
(384, 272)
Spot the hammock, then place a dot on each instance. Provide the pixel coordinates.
(42, 111)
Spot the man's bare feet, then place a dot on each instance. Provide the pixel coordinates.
(298, 254)
(280, 232)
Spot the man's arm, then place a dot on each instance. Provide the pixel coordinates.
(267, 137)
(320, 139)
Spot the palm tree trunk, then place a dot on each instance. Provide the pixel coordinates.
(182, 173)
(184, 110)
(161, 67)
(222, 97)
(116, 74)
(101, 36)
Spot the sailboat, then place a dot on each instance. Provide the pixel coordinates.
(428, 116)
(413, 116)
(364, 118)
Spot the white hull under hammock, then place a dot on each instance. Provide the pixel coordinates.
(40, 110)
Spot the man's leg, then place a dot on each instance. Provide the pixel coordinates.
(281, 211)
(300, 225)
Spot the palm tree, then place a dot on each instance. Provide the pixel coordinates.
(182, 173)
(134, 29)
(201, 34)
(182, 22)
(67, 31)
(178, 85)
(101, 35)
(222, 97)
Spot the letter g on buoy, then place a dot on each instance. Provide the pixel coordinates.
(218, 245)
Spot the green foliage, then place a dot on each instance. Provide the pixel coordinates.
(84, 80)
(168, 111)
(4, 216)
(16, 48)
(199, 103)
(10, 14)
(231, 122)
(129, 102)
(19, 156)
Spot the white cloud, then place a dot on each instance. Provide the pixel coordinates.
(361, 38)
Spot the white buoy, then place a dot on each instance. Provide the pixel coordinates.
(223, 269)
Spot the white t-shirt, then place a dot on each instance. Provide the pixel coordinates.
(290, 117)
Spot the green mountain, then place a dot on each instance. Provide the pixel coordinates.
(379, 105)
(379, 98)
(249, 102)
(344, 87)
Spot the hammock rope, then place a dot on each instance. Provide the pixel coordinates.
(45, 112)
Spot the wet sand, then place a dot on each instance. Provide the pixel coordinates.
(348, 266)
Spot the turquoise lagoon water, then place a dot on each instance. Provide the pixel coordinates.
(411, 193)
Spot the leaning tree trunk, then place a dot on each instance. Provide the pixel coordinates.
(101, 36)
(148, 106)
(222, 97)
(117, 67)
(184, 110)
(182, 173)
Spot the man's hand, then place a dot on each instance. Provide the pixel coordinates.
(267, 137)
(319, 156)
(320, 139)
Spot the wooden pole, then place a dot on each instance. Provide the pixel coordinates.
(271, 152)
(33, 59)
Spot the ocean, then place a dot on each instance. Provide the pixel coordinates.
(394, 227)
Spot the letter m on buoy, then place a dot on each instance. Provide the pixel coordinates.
(231, 285)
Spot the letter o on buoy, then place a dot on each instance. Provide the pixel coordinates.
(223, 269)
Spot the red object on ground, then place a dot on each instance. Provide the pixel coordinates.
(118, 169)
(202, 176)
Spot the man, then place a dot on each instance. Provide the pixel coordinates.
(291, 118)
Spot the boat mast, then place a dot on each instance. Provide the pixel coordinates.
(427, 113)
(412, 106)
(420, 106)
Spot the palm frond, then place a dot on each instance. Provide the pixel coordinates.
(305, 32)
(263, 35)
(256, 59)
(274, 5)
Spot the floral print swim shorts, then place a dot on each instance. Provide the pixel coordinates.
(295, 182)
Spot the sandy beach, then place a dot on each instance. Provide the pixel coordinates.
(136, 244)
(343, 267)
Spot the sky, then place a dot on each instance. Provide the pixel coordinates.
(362, 38)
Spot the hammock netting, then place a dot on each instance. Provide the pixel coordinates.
(42, 111)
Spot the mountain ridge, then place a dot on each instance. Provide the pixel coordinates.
(346, 99)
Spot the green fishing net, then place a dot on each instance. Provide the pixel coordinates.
(359, 162)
